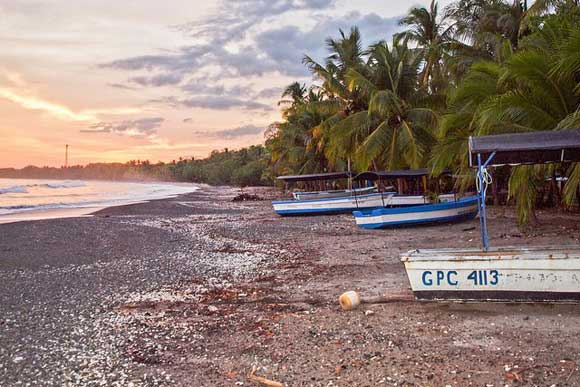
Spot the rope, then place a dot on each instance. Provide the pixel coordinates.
(487, 180)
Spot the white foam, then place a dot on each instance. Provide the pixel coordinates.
(67, 184)
(14, 189)
(71, 194)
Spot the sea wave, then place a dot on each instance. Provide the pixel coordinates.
(66, 184)
(57, 185)
(14, 189)
(37, 195)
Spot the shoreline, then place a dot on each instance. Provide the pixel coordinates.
(85, 211)
(198, 290)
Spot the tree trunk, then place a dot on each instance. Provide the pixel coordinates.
(494, 192)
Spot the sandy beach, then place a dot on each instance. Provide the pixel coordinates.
(198, 290)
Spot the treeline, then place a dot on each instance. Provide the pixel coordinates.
(477, 67)
(244, 167)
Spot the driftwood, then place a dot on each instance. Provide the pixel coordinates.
(264, 381)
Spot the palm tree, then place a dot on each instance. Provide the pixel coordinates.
(461, 121)
(533, 90)
(391, 132)
(433, 38)
(296, 91)
(483, 27)
(345, 53)
(293, 144)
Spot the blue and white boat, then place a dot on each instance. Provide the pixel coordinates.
(300, 195)
(450, 211)
(331, 205)
(329, 201)
(408, 177)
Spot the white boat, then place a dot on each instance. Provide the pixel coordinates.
(540, 274)
(416, 200)
(408, 175)
(500, 274)
(332, 194)
(454, 210)
(331, 205)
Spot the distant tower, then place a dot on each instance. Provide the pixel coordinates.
(66, 156)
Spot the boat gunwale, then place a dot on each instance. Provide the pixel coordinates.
(377, 194)
(377, 212)
(503, 253)
(332, 191)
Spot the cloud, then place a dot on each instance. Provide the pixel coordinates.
(269, 92)
(235, 18)
(214, 103)
(230, 24)
(273, 50)
(163, 79)
(241, 131)
(58, 111)
(187, 120)
(287, 45)
(134, 128)
(203, 87)
(245, 39)
(121, 86)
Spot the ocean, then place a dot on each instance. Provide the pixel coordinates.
(19, 196)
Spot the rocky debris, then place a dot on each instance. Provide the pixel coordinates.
(245, 197)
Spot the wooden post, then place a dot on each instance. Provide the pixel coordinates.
(400, 185)
(424, 185)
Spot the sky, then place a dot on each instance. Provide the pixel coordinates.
(158, 80)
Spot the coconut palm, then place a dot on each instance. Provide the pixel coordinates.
(461, 120)
(524, 94)
(296, 91)
(345, 53)
(391, 132)
(433, 37)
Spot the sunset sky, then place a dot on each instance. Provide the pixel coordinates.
(150, 79)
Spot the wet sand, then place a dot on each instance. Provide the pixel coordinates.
(198, 290)
(49, 214)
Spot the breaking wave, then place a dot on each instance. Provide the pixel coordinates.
(67, 184)
(23, 195)
(57, 185)
(14, 189)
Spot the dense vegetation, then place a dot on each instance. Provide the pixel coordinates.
(476, 67)
(243, 168)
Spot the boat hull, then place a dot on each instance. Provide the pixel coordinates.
(539, 274)
(417, 200)
(456, 210)
(315, 195)
(330, 205)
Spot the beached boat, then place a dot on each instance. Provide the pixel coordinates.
(331, 205)
(499, 274)
(322, 202)
(298, 195)
(450, 211)
(399, 177)
(540, 274)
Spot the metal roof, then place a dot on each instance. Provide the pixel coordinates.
(526, 148)
(316, 176)
(370, 175)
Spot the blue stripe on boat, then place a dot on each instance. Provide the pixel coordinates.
(461, 203)
(314, 211)
(467, 216)
(331, 199)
